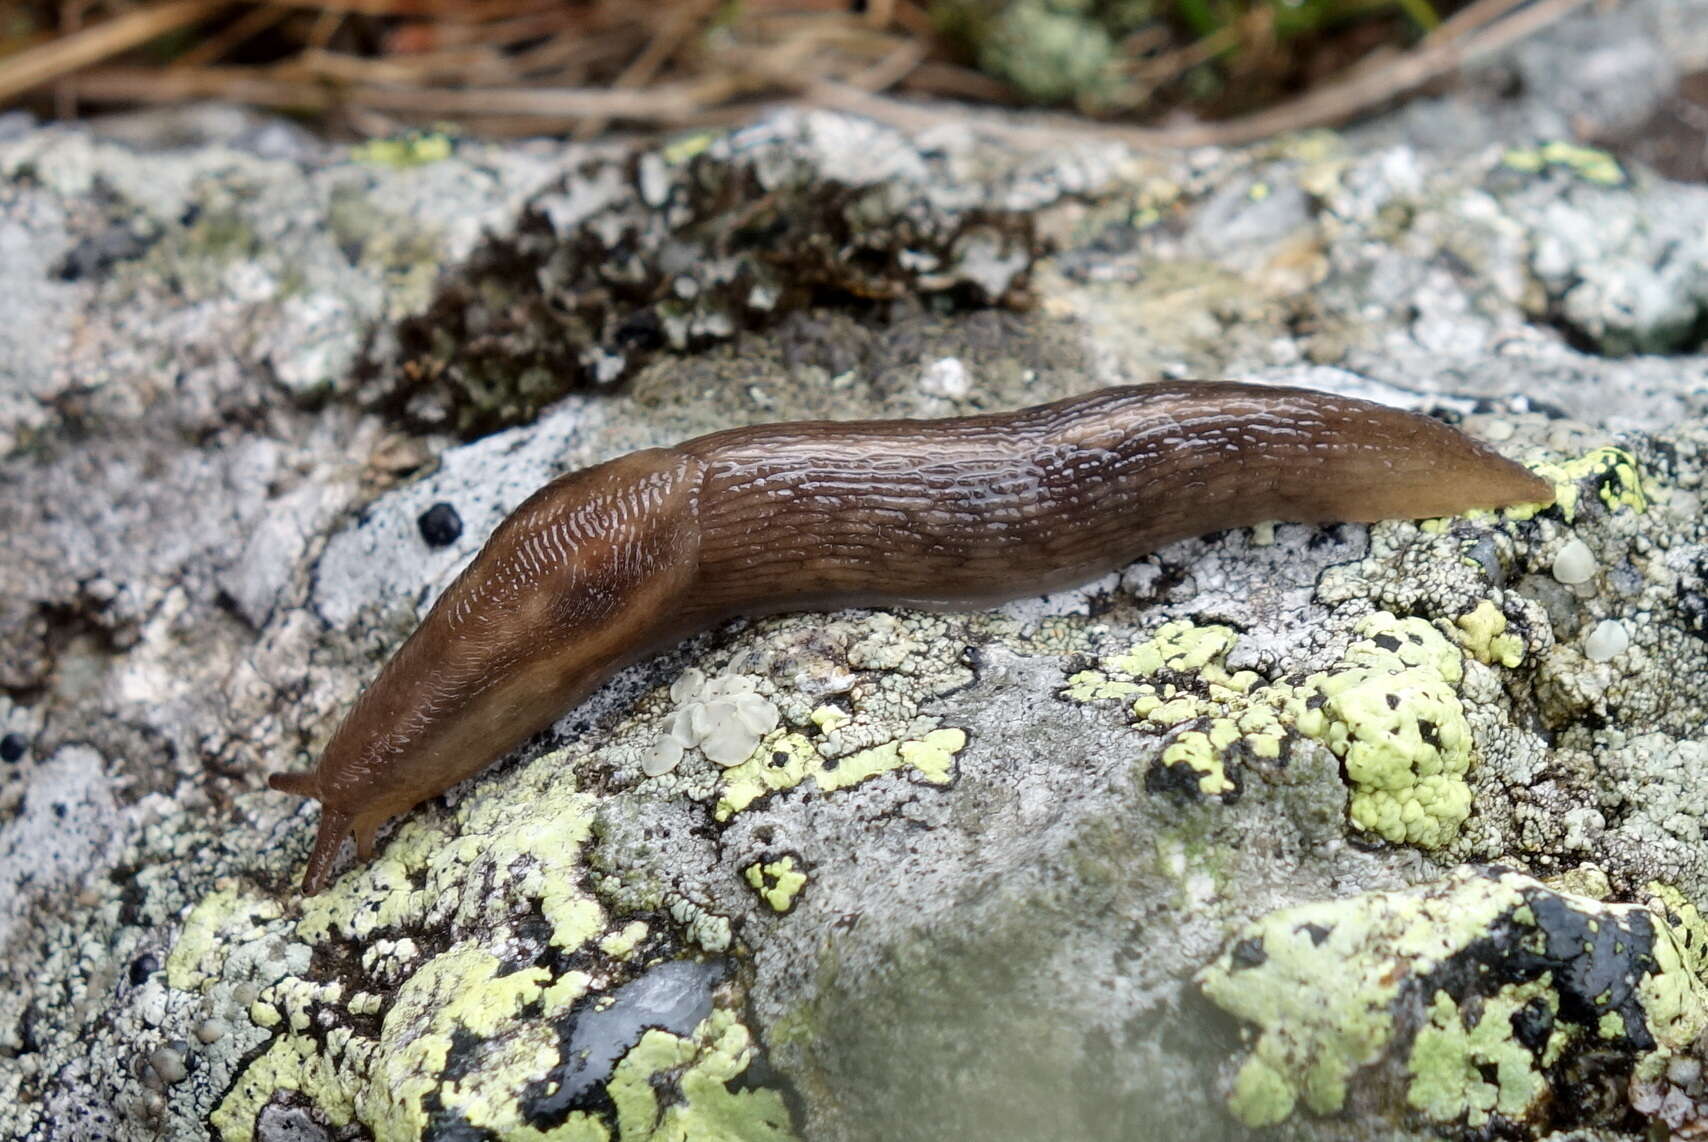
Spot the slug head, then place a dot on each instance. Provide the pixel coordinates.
(335, 825)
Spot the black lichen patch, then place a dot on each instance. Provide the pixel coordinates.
(1693, 597)
(624, 260)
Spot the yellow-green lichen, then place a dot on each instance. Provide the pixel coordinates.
(1388, 710)
(1674, 997)
(293, 1062)
(777, 882)
(413, 149)
(391, 1084)
(1482, 631)
(1178, 681)
(1202, 751)
(1467, 1065)
(1318, 982)
(466, 990)
(224, 919)
(1618, 479)
(1330, 989)
(621, 944)
(684, 147)
(499, 856)
(524, 845)
(786, 759)
(700, 1067)
(1619, 484)
(1588, 163)
(1390, 713)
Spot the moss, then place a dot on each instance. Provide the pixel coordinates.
(1048, 55)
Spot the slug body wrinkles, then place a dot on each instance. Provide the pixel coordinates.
(604, 565)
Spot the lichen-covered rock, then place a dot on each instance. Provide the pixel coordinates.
(1361, 831)
(1485, 999)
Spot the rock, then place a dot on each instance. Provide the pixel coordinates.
(1351, 831)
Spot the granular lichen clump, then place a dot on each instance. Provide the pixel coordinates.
(1388, 710)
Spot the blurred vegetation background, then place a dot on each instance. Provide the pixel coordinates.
(1183, 71)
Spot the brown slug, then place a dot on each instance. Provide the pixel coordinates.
(604, 565)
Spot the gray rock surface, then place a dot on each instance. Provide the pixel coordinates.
(1342, 832)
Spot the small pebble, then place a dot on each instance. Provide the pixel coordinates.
(13, 746)
(1497, 430)
(440, 525)
(168, 1064)
(1575, 563)
(210, 1031)
(1683, 1070)
(946, 377)
(1607, 640)
(142, 967)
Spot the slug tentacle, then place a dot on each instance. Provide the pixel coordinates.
(603, 565)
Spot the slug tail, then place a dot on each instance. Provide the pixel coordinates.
(334, 826)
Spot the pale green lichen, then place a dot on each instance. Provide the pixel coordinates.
(524, 849)
(1320, 995)
(1466, 1066)
(621, 944)
(1482, 631)
(1390, 713)
(292, 1062)
(1618, 478)
(777, 882)
(390, 1083)
(700, 1067)
(786, 759)
(1180, 676)
(403, 151)
(224, 919)
(526, 844)
(1588, 163)
(1674, 996)
(1330, 990)
(1388, 710)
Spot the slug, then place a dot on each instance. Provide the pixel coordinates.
(604, 565)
